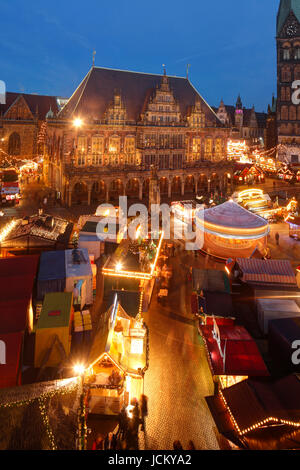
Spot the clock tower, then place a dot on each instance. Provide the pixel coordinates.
(288, 72)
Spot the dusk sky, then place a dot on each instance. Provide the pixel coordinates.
(46, 47)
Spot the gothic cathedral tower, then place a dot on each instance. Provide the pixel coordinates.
(288, 71)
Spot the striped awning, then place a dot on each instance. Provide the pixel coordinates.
(267, 271)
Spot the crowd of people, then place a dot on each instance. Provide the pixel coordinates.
(129, 425)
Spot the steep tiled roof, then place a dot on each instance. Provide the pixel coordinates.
(285, 8)
(37, 103)
(96, 91)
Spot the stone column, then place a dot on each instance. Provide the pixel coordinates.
(208, 185)
(140, 191)
(182, 188)
(107, 192)
(169, 189)
(69, 197)
(196, 186)
(89, 195)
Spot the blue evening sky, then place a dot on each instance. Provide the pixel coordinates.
(46, 47)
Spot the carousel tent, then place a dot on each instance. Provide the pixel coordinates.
(229, 230)
(52, 273)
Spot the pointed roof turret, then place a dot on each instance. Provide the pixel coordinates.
(239, 104)
(285, 8)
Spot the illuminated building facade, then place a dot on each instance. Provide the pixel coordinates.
(245, 124)
(21, 123)
(288, 71)
(117, 124)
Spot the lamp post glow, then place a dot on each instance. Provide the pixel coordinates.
(77, 122)
(79, 370)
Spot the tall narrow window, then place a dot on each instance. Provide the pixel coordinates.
(14, 144)
(286, 54)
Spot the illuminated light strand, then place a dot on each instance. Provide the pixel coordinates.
(270, 419)
(7, 229)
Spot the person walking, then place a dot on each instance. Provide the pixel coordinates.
(144, 410)
(123, 423)
(98, 443)
(110, 442)
(277, 238)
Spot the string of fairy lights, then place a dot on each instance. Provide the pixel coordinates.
(42, 401)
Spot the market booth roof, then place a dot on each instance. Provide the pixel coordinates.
(10, 349)
(267, 271)
(242, 356)
(260, 413)
(17, 276)
(56, 311)
(52, 265)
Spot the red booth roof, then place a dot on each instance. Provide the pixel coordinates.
(242, 356)
(17, 275)
(9, 370)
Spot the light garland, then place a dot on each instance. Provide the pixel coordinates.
(7, 229)
(267, 421)
(44, 415)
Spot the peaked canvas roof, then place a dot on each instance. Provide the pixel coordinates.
(231, 214)
(242, 354)
(285, 7)
(267, 271)
(97, 90)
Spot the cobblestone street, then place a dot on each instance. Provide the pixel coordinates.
(178, 378)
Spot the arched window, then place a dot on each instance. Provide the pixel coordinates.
(14, 144)
(293, 113)
(297, 72)
(297, 53)
(286, 74)
(284, 113)
(286, 54)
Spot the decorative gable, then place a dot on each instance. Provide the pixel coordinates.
(116, 112)
(19, 110)
(162, 108)
(196, 118)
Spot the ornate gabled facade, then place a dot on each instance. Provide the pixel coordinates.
(244, 123)
(288, 71)
(21, 118)
(128, 122)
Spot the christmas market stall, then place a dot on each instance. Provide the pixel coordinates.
(100, 236)
(264, 273)
(294, 226)
(17, 278)
(35, 234)
(52, 273)
(284, 333)
(126, 356)
(79, 276)
(232, 353)
(10, 359)
(229, 230)
(133, 267)
(53, 330)
(269, 309)
(259, 414)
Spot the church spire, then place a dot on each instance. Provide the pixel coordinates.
(285, 8)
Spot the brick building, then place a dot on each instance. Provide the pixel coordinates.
(245, 123)
(119, 123)
(288, 71)
(21, 118)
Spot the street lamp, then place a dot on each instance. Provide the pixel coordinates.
(77, 122)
